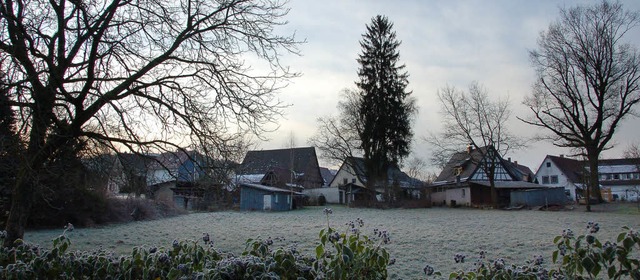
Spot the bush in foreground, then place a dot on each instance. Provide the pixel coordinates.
(338, 256)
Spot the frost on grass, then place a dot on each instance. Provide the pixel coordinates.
(419, 236)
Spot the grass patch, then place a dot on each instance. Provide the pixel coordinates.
(418, 236)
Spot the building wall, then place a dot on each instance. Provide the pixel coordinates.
(439, 198)
(459, 196)
(332, 195)
(539, 197)
(253, 199)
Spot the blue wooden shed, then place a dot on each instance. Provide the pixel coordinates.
(259, 197)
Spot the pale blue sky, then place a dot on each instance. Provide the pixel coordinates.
(443, 43)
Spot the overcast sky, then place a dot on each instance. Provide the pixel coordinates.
(443, 43)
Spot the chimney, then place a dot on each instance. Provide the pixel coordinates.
(509, 159)
(516, 163)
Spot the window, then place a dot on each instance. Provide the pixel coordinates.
(345, 181)
(276, 198)
(548, 164)
(603, 177)
(545, 179)
(554, 179)
(616, 176)
(636, 175)
(608, 176)
(463, 192)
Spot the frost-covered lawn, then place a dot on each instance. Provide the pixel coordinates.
(418, 236)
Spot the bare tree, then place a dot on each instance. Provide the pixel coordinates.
(588, 81)
(337, 136)
(137, 75)
(415, 168)
(471, 118)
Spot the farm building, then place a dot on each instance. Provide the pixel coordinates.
(465, 180)
(283, 168)
(260, 197)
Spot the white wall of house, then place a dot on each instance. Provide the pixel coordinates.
(332, 195)
(461, 196)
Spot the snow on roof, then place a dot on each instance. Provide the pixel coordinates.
(269, 189)
(617, 169)
(249, 178)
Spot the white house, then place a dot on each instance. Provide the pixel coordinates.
(562, 172)
(619, 178)
(351, 181)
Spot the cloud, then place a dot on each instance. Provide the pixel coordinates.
(443, 43)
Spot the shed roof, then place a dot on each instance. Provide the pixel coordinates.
(268, 188)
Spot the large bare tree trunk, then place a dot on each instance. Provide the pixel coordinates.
(21, 202)
(594, 179)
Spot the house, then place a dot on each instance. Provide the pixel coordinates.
(561, 171)
(465, 181)
(285, 168)
(267, 198)
(619, 178)
(351, 180)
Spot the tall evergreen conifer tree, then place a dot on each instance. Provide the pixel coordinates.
(386, 108)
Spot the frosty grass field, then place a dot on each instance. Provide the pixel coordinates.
(418, 236)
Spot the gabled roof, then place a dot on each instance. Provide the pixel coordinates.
(521, 171)
(327, 175)
(262, 161)
(465, 161)
(573, 169)
(269, 189)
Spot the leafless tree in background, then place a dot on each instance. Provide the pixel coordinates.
(137, 76)
(588, 81)
(471, 118)
(337, 136)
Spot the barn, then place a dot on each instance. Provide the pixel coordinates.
(258, 197)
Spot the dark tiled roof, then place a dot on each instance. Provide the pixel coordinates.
(327, 175)
(521, 171)
(262, 161)
(573, 169)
